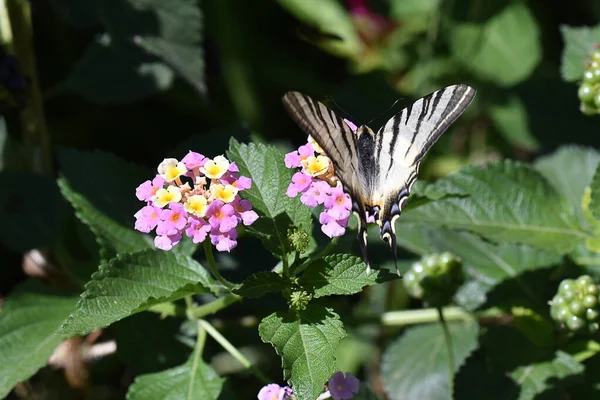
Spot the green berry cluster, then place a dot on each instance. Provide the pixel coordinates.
(589, 91)
(434, 278)
(576, 306)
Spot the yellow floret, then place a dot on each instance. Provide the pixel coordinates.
(315, 145)
(315, 166)
(196, 205)
(225, 193)
(214, 169)
(166, 196)
(171, 169)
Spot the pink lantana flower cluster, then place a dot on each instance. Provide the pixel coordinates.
(317, 184)
(197, 196)
(275, 392)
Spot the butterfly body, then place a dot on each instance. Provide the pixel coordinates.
(378, 169)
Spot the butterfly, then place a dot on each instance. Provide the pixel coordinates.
(378, 169)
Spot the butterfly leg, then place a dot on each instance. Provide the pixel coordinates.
(359, 211)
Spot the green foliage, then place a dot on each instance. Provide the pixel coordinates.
(504, 49)
(595, 194)
(534, 378)
(134, 282)
(192, 380)
(341, 274)
(511, 119)
(434, 278)
(29, 323)
(306, 342)
(261, 283)
(508, 202)
(579, 41)
(407, 377)
(147, 44)
(264, 165)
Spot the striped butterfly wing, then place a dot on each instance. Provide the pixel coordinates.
(403, 141)
(333, 135)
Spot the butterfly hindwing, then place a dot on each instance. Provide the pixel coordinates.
(378, 169)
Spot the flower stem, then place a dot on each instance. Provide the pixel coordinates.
(232, 350)
(198, 349)
(448, 339)
(212, 265)
(410, 317)
(213, 307)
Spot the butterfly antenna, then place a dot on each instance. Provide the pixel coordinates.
(350, 117)
(383, 113)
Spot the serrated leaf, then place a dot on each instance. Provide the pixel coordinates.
(306, 342)
(134, 282)
(29, 321)
(113, 237)
(341, 274)
(504, 49)
(570, 170)
(29, 221)
(595, 194)
(508, 202)
(261, 283)
(511, 119)
(415, 366)
(579, 42)
(329, 18)
(192, 380)
(270, 179)
(538, 377)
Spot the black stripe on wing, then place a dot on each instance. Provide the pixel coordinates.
(328, 130)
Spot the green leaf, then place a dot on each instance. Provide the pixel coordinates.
(306, 342)
(29, 321)
(415, 366)
(132, 283)
(150, 42)
(410, 8)
(262, 283)
(490, 264)
(595, 194)
(537, 378)
(579, 42)
(192, 380)
(29, 221)
(341, 274)
(570, 170)
(329, 18)
(113, 237)
(508, 202)
(270, 179)
(505, 49)
(511, 119)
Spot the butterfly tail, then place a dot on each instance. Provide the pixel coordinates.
(389, 236)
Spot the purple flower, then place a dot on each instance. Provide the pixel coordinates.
(172, 220)
(147, 218)
(351, 124)
(166, 242)
(243, 208)
(198, 229)
(338, 204)
(146, 190)
(221, 216)
(294, 158)
(300, 182)
(316, 194)
(224, 241)
(194, 160)
(331, 226)
(341, 387)
(275, 392)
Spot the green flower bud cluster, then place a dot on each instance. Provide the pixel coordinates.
(589, 90)
(434, 279)
(576, 306)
